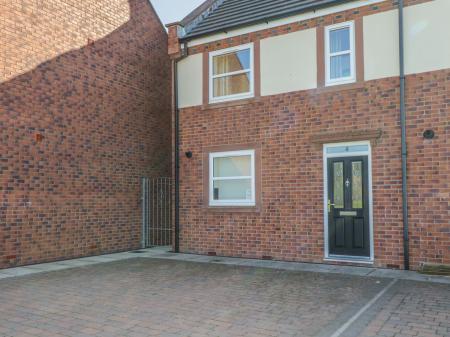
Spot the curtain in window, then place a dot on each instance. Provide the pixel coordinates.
(230, 63)
(340, 66)
(340, 62)
(231, 85)
(339, 40)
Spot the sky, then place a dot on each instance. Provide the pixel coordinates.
(174, 10)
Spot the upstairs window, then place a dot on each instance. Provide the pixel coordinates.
(231, 74)
(232, 178)
(340, 53)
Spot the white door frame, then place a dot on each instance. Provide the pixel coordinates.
(326, 156)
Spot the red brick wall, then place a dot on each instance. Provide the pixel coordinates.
(428, 107)
(84, 114)
(290, 223)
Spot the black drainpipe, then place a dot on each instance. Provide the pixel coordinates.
(404, 145)
(177, 149)
(177, 157)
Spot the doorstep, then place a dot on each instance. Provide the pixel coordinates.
(164, 253)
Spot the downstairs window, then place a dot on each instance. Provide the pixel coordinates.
(232, 178)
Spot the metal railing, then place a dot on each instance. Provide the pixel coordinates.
(157, 217)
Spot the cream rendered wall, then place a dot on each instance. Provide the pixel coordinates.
(190, 77)
(289, 62)
(427, 36)
(381, 54)
(427, 40)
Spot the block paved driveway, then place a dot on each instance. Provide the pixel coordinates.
(151, 297)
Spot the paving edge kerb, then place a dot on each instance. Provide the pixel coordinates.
(163, 253)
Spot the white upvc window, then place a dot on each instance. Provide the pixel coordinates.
(340, 54)
(231, 74)
(232, 178)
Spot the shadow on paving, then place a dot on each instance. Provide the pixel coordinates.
(150, 297)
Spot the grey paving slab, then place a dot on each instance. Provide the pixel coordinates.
(101, 259)
(118, 256)
(409, 275)
(180, 257)
(4, 275)
(76, 263)
(46, 267)
(308, 267)
(65, 264)
(164, 253)
(361, 271)
(19, 271)
(210, 259)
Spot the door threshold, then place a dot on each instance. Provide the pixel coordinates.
(349, 259)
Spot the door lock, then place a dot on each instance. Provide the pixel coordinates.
(329, 206)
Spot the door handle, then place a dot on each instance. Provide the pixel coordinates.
(329, 206)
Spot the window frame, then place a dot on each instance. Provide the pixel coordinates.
(251, 70)
(211, 179)
(343, 80)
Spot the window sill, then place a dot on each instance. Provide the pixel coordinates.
(234, 209)
(340, 87)
(228, 104)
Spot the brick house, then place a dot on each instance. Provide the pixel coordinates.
(289, 128)
(84, 114)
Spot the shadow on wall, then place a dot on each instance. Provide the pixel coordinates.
(80, 130)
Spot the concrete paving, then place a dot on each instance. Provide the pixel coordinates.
(164, 253)
(156, 293)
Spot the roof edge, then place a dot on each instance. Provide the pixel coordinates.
(196, 12)
(199, 14)
(325, 4)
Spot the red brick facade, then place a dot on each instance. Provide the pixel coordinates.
(84, 114)
(289, 224)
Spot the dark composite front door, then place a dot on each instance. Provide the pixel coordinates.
(348, 206)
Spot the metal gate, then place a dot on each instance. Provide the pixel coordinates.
(157, 212)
